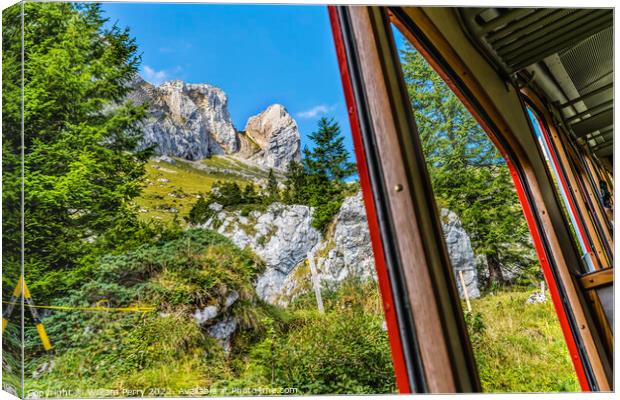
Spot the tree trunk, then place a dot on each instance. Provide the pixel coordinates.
(495, 270)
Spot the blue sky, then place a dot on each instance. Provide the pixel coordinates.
(259, 55)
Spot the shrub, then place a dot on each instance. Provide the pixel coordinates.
(345, 350)
(336, 353)
(230, 196)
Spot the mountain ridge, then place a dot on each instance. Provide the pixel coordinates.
(192, 121)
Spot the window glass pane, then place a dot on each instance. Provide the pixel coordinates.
(517, 340)
(577, 231)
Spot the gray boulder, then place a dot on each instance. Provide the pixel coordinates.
(223, 331)
(206, 314)
(461, 253)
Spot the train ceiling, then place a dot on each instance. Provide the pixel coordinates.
(567, 53)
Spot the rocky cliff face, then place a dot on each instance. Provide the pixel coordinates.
(347, 251)
(461, 253)
(272, 138)
(192, 121)
(284, 238)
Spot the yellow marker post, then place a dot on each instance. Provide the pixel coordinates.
(9, 309)
(47, 345)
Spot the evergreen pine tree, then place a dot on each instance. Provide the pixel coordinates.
(273, 193)
(81, 164)
(468, 174)
(319, 181)
(296, 180)
(328, 156)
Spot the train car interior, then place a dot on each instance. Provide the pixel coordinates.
(539, 81)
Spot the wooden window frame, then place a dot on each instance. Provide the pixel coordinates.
(587, 227)
(413, 269)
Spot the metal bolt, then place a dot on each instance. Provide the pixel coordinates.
(398, 187)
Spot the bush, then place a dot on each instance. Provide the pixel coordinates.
(336, 353)
(345, 350)
(200, 212)
(230, 196)
(179, 274)
(324, 214)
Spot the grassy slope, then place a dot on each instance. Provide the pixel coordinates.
(177, 186)
(521, 347)
(164, 352)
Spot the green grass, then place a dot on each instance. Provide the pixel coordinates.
(225, 163)
(520, 347)
(177, 186)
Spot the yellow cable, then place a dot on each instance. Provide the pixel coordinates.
(104, 309)
(21, 285)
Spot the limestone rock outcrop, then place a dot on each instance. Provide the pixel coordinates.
(185, 120)
(271, 139)
(347, 251)
(281, 235)
(284, 238)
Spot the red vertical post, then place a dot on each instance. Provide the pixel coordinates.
(400, 368)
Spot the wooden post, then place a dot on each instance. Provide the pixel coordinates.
(465, 291)
(315, 283)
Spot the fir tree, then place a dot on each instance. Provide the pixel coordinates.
(319, 181)
(81, 164)
(468, 174)
(272, 191)
(328, 156)
(296, 180)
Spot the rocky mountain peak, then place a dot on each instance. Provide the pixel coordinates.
(186, 120)
(268, 123)
(271, 138)
(191, 121)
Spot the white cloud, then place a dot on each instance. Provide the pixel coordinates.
(154, 77)
(315, 111)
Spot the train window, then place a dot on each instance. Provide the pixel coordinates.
(511, 321)
(194, 223)
(586, 228)
(568, 196)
